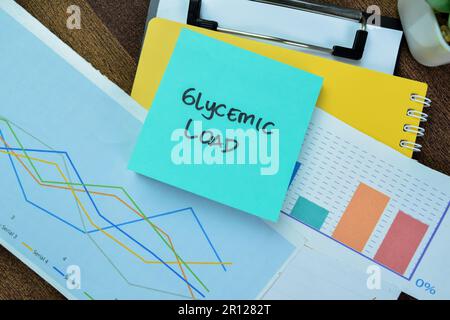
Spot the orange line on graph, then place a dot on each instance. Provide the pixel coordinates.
(27, 246)
(178, 262)
(85, 212)
(107, 195)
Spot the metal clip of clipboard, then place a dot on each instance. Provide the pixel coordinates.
(356, 52)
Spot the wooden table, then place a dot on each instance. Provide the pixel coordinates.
(110, 39)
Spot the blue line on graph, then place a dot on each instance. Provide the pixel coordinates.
(112, 226)
(98, 212)
(126, 234)
(429, 242)
(140, 220)
(32, 203)
(204, 232)
(59, 271)
(30, 150)
(169, 213)
(67, 222)
(171, 269)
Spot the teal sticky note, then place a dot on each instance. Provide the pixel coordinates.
(309, 213)
(227, 124)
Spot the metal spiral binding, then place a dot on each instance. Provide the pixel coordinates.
(419, 131)
(422, 116)
(411, 145)
(420, 99)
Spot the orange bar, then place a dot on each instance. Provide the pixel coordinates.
(360, 217)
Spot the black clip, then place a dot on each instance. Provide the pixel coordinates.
(356, 52)
(194, 19)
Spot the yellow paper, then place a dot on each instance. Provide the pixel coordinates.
(372, 102)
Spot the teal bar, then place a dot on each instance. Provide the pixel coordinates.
(309, 213)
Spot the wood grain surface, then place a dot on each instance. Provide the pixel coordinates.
(110, 39)
(126, 21)
(94, 41)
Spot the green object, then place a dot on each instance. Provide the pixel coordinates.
(309, 213)
(441, 6)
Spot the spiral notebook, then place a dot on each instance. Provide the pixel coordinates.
(385, 107)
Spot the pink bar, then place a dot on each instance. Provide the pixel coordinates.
(401, 242)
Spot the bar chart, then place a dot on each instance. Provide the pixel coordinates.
(366, 204)
(359, 221)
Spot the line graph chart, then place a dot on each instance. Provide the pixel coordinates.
(13, 152)
(61, 175)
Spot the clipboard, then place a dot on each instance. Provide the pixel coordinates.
(289, 23)
(355, 52)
